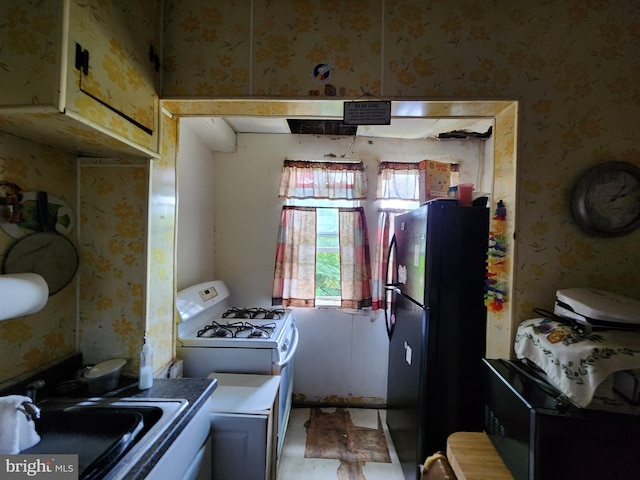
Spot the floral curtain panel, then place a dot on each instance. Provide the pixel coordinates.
(379, 275)
(355, 262)
(323, 180)
(294, 282)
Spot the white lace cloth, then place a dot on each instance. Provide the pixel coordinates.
(576, 363)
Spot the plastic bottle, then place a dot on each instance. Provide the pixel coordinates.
(146, 366)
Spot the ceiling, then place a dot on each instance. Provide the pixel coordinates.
(219, 132)
(408, 128)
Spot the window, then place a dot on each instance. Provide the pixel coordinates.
(322, 256)
(327, 263)
(323, 250)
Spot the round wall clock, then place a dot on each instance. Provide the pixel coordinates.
(606, 199)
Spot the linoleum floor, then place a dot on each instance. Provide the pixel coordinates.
(338, 443)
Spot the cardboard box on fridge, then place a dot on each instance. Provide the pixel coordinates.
(435, 178)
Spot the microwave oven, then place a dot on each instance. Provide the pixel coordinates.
(540, 435)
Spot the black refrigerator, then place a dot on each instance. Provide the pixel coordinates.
(436, 321)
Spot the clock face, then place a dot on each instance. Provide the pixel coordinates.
(606, 199)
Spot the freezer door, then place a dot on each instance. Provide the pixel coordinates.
(406, 364)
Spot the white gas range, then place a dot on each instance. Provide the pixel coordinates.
(214, 337)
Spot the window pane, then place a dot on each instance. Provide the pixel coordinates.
(327, 232)
(327, 242)
(327, 274)
(328, 221)
(328, 256)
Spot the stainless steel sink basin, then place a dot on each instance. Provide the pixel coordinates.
(112, 445)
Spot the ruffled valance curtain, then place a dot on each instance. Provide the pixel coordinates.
(398, 181)
(323, 180)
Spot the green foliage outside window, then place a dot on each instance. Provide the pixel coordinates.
(327, 274)
(327, 254)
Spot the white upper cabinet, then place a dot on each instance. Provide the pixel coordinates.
(81, 74)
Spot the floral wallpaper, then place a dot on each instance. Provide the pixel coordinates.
(31, 341)
(28, 31)
(104, 313)
(569, 64)
(161, 257)
(567, 68)
(113, 238)
(118, 37)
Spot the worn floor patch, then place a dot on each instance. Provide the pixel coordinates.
(333, 435)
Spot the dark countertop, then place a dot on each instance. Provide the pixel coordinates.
(195, 390)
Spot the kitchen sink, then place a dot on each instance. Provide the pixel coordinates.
(109, 435)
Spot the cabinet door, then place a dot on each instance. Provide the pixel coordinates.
(239, 445)
(30, 39)
(110, 59)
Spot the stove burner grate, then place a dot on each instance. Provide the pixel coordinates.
(237, 330)
(254, 313)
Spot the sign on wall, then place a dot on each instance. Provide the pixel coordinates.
(367, 113)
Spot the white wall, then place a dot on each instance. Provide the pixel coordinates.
(342, 357)
(195, 246)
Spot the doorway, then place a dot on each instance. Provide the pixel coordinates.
(504, 142)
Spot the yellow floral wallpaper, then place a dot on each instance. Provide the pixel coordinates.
(29, 33)
(201, 49)
(113, 242)
(118, 36)
(34, 340)
(161, 257)
(117, 258)
(570, 64)
(104, 313)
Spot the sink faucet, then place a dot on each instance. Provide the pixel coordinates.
(32, 388)
(30, 409)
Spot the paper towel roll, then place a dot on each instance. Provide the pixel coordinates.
(22, 294)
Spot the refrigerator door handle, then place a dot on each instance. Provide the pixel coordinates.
(392, 246)
(389, 287)
(387, 314)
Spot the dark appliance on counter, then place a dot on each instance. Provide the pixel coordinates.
(436, 320)
(540, 435)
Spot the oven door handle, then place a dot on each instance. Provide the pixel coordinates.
(295, 339)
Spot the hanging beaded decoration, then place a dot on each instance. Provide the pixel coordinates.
(495, 289)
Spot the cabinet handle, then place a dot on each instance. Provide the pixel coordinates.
(82, 59)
